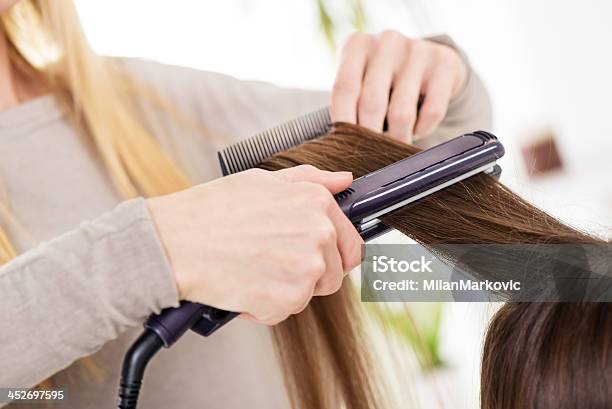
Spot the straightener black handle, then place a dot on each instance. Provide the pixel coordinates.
(172, 323)
(212, 319)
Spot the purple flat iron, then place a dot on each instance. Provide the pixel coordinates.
(364, 202)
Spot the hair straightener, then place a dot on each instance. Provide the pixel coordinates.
(364, 202)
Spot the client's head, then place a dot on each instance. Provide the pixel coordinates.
(548, 356)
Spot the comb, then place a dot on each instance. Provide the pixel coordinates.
(251, 152)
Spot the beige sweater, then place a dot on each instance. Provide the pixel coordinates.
(100, 270)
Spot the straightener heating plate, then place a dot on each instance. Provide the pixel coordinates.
(416, 177)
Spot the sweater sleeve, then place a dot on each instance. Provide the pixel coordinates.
(67, 297)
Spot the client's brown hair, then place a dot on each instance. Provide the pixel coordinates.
(324, 350)
(548, 356)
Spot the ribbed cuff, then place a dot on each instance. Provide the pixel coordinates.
(124, 266)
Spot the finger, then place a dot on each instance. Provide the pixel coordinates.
(268, 321)
(348, 241)
(374, 98)
(248, 317)
(347, 86)
(404, 100)
(306, 302)
(334, 181)
(438, 92)
(331, 281)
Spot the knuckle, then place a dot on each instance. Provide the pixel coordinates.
(274, 319)
(443, 53)
(411, 40)
(256, 172)
(325, 233)
(353, 259)
(309, 269)
(303, 170)
(433, 113)
(324, 288)
(357, 38)
(445, 62)
(331, 285)
(296, 299)
(344, 86)
(400, 115)
(265, 316)
(306, 168)
(391, 36)
(371, 102)
(320, 195)
(301, 306)
(417, 46)
(316, 267)
(265, 319)
(353, 255)
(337, 284)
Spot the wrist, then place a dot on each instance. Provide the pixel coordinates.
(161, 216)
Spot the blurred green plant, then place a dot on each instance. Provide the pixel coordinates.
(418, 325)
(333, 15)
(336, 16)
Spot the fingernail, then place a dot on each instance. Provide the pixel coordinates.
(345, 174)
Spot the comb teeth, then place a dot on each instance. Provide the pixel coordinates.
(251, 152)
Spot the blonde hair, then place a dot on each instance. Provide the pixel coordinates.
(47, 41)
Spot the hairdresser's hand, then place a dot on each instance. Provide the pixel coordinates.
(384, 74)
(261, 243)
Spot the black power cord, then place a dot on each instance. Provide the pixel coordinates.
(134, 365)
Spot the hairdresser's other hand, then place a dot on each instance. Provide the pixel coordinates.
(384, 75)
(260, 243)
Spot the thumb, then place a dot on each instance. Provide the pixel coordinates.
(334, 181)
